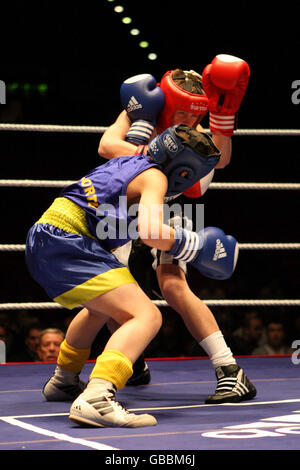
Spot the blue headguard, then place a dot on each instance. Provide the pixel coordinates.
(185, 156)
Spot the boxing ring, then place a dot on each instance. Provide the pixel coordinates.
(176, 394)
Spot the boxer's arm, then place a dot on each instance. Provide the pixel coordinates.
(112, 143)
(142, 101)
(223, 143)
(151, 187)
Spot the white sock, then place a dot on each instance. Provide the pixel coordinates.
(219, 353)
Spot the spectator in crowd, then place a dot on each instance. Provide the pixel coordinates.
(3, 333)
(239, 331)
(275, 340)
(252, 330)
(28, 351)
(49, 344)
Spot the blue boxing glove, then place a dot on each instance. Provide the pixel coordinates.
(143, 100)
(210, 251)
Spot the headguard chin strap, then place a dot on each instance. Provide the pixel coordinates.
(185, 156)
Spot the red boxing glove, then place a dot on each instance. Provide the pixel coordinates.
(199, 188)
(225, 82)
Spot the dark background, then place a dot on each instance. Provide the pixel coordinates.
(83, 52)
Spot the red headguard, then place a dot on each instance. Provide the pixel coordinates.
(178, 99)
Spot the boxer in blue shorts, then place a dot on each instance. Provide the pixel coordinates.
(69, 252)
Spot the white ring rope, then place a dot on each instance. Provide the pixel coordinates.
(101, 129)
(52, 128)
(60, 184)
(35, 183)
(242, 246)
(260, 186)
(163, 303)
(241, 302)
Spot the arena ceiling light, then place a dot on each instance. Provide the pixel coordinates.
(127, 20)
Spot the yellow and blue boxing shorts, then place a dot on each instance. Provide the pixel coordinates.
(67, 261)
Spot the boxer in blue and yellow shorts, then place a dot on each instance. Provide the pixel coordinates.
(69, 252)
(86, 266)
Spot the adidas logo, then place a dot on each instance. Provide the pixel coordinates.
(133, 104)
(220, 251)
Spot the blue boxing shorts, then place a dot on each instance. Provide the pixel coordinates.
(73, 268)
